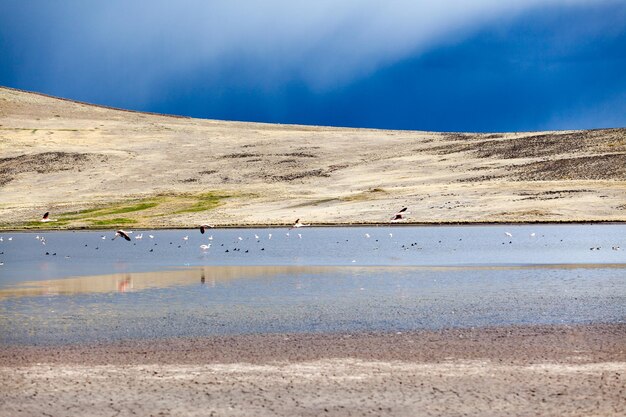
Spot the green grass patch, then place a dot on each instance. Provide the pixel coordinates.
(135, 212)
(45, 225)
(204, 202)
(108, 211)
(118, 221)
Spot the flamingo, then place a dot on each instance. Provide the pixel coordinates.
(204, 227)
(121, 233)
(298, 224)
(46, 218)
(399, 216)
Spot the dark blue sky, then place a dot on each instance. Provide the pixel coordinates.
(453, 66)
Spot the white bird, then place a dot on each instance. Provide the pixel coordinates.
(367, 235)
(1, 239)
(151, 236)
(139, 237)
(205, 247)
(256, 236)
(269, 236)
(204, 227)
(121, 233)
(103, 237)
(211, 237)
(186, 238)
(10, 239)
(532, 234)
(390, 234)
(240, 238)
(300, 235)
(508, 234)
(399, 216)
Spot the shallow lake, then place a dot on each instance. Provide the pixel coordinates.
(85, 287)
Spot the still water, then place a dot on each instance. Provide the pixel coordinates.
(85, 287)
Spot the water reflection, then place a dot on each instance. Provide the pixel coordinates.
(210, 276)
(130, 282)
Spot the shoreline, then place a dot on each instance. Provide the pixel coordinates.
(321, 225)
(516, 370)
(540, 342)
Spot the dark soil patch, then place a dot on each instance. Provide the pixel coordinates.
(548, 144)
(300, 154)
(300, 175)
(46, 162)
(241, 155)
(601, 167)
(481, 178)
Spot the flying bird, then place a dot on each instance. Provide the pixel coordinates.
(399, 216)
(46, 217)
(122, 234)
(204, 227)
(298, 224)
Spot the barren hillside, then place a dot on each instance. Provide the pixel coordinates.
(92, 166)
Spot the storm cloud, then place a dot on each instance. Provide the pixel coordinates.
(202, 57)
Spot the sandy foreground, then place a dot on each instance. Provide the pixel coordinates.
(534, 370)
(97, 167)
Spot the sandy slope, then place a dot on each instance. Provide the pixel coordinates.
(64, 156)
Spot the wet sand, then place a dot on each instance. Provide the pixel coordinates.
(524, 370)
